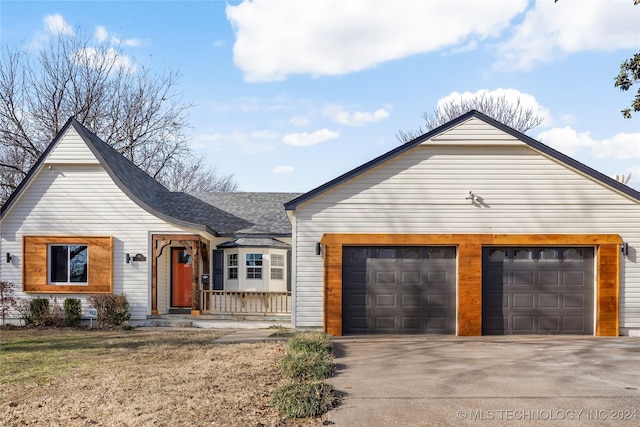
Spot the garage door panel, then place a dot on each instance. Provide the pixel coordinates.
(412, 300)
(411, 290)
(386, 300)
(495, 301)
(549, 278)
(410, 278)
(549, 324)
(573, 323)
(436, 277)
(542, 290)
(576, 301)
(524, 324)
(573, 278)
(549, 301)
(522, 300)
(523, 278)
(358, 300)
(411, 324)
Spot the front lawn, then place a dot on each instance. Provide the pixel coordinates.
(63, 377)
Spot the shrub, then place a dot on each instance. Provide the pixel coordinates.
(72, 311)
(113, 310)
(38, 312)
(23, 307)
(303, 400)
(7, 299)
(303, 366)
(42, 313)
(310, 342)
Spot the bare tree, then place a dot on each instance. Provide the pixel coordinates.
(193, 175)
(137, 112)
(509, 111)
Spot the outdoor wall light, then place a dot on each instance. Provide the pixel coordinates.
(128, 258)
(8, 258)
(318, 248)
(624, 249)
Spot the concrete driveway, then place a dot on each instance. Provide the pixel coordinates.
(514, 380)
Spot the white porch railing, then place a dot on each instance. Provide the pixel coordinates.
(245, 302)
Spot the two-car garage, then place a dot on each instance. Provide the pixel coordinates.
(414, 289)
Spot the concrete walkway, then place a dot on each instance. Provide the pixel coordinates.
(487, 381)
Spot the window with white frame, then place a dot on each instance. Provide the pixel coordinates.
(232, 266)
(277, 267)
(68, 264)
(254, 266)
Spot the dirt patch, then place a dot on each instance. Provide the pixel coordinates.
(137, 378)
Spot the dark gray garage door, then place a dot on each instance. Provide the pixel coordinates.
(398, 290)
(537, 291)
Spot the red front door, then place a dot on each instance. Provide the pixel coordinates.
(181, 278)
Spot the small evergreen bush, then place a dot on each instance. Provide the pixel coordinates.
(303, 400)
(310, 342)
(113, 310)
(72, 311)
(304, 366)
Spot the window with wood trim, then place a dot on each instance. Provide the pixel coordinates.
(78, 264)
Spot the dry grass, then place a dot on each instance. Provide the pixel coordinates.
(137, 378)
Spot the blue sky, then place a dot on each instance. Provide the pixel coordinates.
(289, 94)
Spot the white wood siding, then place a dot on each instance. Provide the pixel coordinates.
(424, 191)
(81, 199)
(72, 149)
(475, 132)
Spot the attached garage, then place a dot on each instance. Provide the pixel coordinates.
(536, 242)
(399, 290)
(545, 290)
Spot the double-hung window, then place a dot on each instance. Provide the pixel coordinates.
(277, 267)
(232, 266)
(254, 266)
(68, 264)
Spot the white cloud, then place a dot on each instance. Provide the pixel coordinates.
(282, 169)
(249, 143)
(55, 24)
(102, 35)
(300, 121)
(552, 30)
(570, 142)
(93, 57)
(513, 95)
(333, 37)
(337, 114)
(305, 139)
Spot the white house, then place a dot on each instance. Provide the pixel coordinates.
(86, 220)
(470, 229)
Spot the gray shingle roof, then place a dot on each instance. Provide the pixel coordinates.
(264, 212)
(225, 214)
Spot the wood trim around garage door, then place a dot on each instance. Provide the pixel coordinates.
(470, 271)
